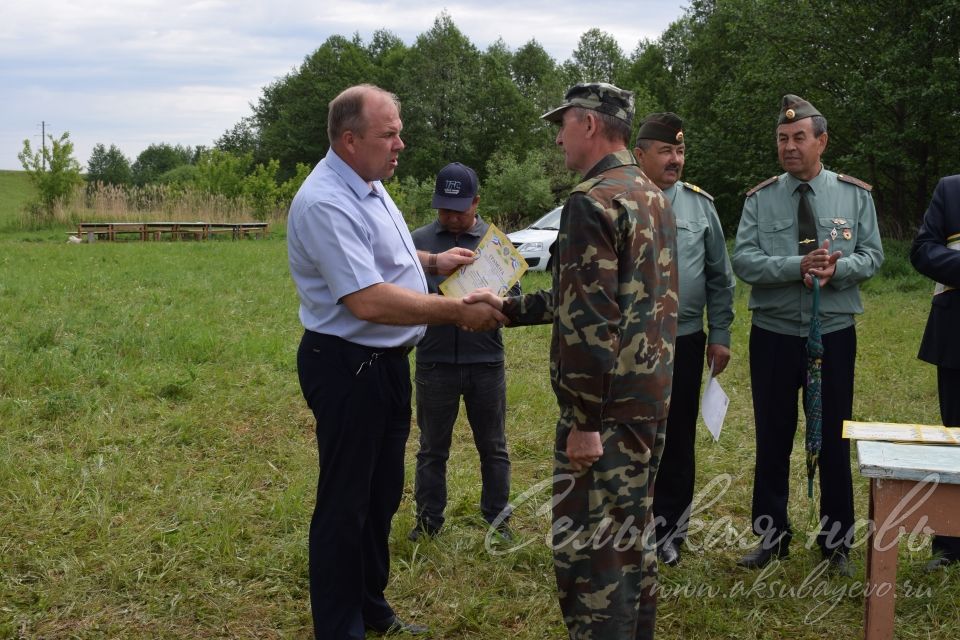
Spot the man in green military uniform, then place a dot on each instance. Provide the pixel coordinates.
(706, 280)
(806, 223)
(613, 306)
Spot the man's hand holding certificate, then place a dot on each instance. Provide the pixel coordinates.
(498, 267)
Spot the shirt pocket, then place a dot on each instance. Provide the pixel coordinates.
(778, 236)
(690, 234)
(840, 231)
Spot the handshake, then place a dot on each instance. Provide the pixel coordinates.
(481, 310)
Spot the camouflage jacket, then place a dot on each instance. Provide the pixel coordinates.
(613, 304)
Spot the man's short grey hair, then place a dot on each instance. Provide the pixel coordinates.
(644, 144)
(819, 126)
(613, 129)
(345, 112)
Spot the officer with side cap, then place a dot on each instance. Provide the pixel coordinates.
(806, 223)
(706, 280)
(613, 305)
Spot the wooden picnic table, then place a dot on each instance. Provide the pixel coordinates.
(93, 231)
(908, 483)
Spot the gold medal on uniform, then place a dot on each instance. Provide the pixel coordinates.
(847, 234)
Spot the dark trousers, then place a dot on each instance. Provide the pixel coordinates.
(677, 472)
(948, 384)
(778, 374)
(361, 400)
(484, 390)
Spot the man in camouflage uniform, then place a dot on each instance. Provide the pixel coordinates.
(613, 306)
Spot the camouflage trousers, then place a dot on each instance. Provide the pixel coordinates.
(604, 549)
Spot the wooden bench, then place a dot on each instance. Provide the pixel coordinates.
(93, 231)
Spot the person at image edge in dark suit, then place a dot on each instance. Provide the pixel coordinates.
(936, 254)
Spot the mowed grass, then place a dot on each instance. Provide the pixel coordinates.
(158, 466)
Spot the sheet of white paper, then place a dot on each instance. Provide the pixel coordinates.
(713, 406)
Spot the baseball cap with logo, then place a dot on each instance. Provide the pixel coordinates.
(598, 96)
(456, 187)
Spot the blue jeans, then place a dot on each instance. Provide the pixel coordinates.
(439, 388)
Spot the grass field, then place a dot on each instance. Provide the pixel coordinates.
(15, 191)
(158, 465)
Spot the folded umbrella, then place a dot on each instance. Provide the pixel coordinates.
(812, 392)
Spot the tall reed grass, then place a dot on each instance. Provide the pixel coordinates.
(98, 202)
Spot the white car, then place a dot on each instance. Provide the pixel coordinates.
(538, 242)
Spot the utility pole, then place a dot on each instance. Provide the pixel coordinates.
(43, 143)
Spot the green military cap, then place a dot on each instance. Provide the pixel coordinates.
(794, 108)
(662, 127)
(598, 96)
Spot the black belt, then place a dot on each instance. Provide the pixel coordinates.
(320, 338)
(392, 351)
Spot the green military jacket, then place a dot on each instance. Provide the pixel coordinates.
(765, 253)
(706, 277)
(613, 303)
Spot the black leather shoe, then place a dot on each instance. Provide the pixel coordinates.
(422, 529)
(762, 554)
(395, 625)
(669, 553)
(839, 564)
(503, 531)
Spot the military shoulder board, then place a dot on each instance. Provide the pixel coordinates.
(854, 181)
(765, 183)
(586, 185)
(697, 189)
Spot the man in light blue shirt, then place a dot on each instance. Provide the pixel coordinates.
(706, 281)
(363, 305)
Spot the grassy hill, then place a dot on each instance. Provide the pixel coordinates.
(15, 190)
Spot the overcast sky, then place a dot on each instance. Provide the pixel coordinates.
(138, 72)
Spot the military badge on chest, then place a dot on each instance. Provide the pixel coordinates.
(845, 232)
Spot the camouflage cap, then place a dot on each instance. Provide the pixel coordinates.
(793, 108)
(597, 96)
(662, 127)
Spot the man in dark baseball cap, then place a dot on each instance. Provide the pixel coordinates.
(456, 187)
(454, 364)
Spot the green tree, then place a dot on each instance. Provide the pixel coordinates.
(222, 173)
(108, 166)
(503, 120)
(158, 159)
(597, 58)
(516, 190)
(291, 115)
(181, 176)
(240, 138)
(895, 129)
(437, 89)
(53, 170)
(261, 189)
(290, 187)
